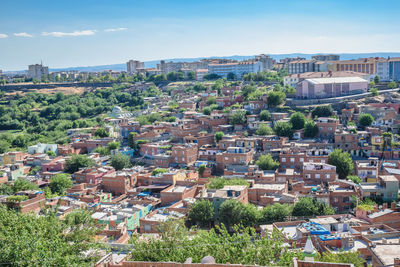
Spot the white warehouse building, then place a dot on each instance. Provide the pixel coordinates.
(237, 68)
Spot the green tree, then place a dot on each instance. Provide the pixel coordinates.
(218, 136)
(275, 98)
(392, 85)
(220, 182)
(211, 100)
(342, 161)
(297, 120)
(376, 79)
(201, 169)
(130, 139)
(230, 212)
(101, 132)
(283, 129)
(4, 146)
(266, 162)
(22, 184)
(374, 91)
(60, 182)
(265, 115)
(264, 129)
(120, 161)
(51, 153)
(206, 111)
(322, 111)
(20, 141)
(201, 213)
(354, 178)
(6, 189)
(231, 76)
(114, 145)
(310, 129)
(157, 171)
(78, 161)
(274, 213)
(239, 117)
(365, 119)
(310, 207)
(102, 150)
(352, 257)
(45, 240)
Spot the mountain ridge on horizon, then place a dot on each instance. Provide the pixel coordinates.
(153, 63)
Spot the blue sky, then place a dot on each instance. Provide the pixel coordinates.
(96, 32)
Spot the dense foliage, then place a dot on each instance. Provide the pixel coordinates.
(45, 117)
(342, 161)
(244, 246)
(266, 162)
(46, 240)
(220, 182)
(201, 213)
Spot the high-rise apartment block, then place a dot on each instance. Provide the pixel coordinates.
(37, 71)
(132, 66)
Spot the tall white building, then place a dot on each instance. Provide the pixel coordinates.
(267, 62)
(382, 69)
(37, 71)
(132, 66)
(237, 68)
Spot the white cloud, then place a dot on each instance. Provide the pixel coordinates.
(74, 33)
(115, 30)
(23, 34)
(2, 35)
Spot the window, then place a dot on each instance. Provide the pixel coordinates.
(328, 176)
(322, 161)
(301, 159)
(317, 176)
(147, 227)
(291, 159)
(283, 159)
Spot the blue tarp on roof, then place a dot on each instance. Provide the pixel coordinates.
(315, 228)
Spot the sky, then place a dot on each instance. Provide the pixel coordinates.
(97, 32)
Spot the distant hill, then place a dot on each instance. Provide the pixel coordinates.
(153, 63)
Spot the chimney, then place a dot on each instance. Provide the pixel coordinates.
(385, 206)
(393, 206)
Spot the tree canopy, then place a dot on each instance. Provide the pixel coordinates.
(342, 161)
(310, 129)
(266, 162)
(201, 213)
(264, 129)
(45, 240)
(78, 161)
(365, 119)
(283, 129)
(59, 183)
(322, 111)
(120, 161)
(297, 120)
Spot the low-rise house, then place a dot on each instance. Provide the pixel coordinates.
(175, 193)
(218, 196)
(316, 173)
(26, 201)
(119, 182)
(184, 155)
(327, 127)
(386, 187)
(234, 156)
(91, 175)
(42, 148)
(367, 170)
